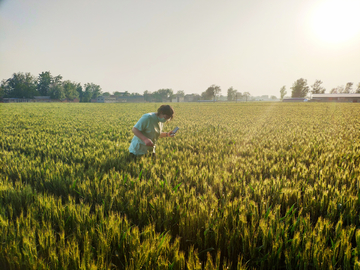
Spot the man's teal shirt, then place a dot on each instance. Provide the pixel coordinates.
(150, 126)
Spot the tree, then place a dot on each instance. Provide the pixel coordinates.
(338, 90)
(316, 88)
(43, 83)
(92, 91)
(79, 89)
(348, 88)
(204, 96)
(118, 94)
(106, 94)
(283, 92)
(192, 97)
(300, 88)
(21, 85)
(211, 93)
(231, 94)
(4, 87)
(126, 94)
(246, 95)
(147, 96)
(56, 90)
(70, 90)
(273, 97)
(162, 94)
(135, 94)
(358, 89)
(2, 92)
(238, 95)
(180, 93)
(196, 97)
(333, 90)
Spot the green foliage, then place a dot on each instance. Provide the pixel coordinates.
(57, 90)
(348, 87)
(147, 96)
(70, 90)
(79, 90)
(162, 94)
(43, 83)
(180, 93)
(118, 93)
(300, 88)
(246, 95)
(211, 93)
(277, 188)
(26, 86)
(2, 92)
(92, 91)
(316, 88)
(232, 94)
(21, 85)
(357, 91)
(283, 92)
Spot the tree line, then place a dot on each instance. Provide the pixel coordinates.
(214, 91)
(301, 89)
(25, 85)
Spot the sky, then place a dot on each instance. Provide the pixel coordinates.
(253, 46)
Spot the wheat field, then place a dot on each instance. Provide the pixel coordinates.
(241, 186)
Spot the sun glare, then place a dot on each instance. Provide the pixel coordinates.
(336, 21)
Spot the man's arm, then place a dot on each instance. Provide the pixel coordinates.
(164, 134)
(142, 137)
(167, 134)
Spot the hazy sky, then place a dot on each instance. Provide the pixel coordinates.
(136, 45)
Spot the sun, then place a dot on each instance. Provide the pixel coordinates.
(336, 21)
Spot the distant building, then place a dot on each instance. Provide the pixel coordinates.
(35, 99)
(191, 97)
(178, 99)
(166, 100)
(119, 99)
(130, 99)
(75, 100)
(42, 99)
(106, 99)
(336, 97)
(16, 100)
(295, 99)
(38, 99)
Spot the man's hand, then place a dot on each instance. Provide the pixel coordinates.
(148, 142)
(142, 137)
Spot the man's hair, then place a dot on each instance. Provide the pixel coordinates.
(166, 109)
